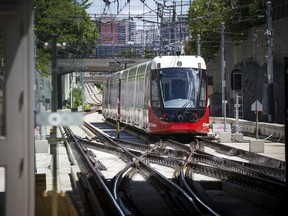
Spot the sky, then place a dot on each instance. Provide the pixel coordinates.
(134, 8)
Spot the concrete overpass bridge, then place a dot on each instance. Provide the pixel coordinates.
(93, 65)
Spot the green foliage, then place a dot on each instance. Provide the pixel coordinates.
(71, 23)
(100, 88)
(86, 107)
(77, 98)
(206, 18)
(148, 53)
(43, 62)
(129, 53)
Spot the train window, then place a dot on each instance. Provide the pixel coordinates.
(132, 73)
(2, 190)
(180, 87)
(141, 69)
(124, 80)
(2, 84)
(202, 103)
(155, 96)
(147, 83)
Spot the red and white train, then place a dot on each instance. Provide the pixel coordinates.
(165, 96)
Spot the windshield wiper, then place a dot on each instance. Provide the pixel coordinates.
(183, 108)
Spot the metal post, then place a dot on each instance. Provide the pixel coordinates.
(223, 74)
(160, 14)
(198, 45)
(256, 112)
(237, 112)
(71, 90)
(269, 36)
(144, 34)
(118, 110)
(174, 26)
(53, 135)
(83, 88)
(181, 20)
(256, 122)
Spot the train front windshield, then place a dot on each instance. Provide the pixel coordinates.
(179, 87)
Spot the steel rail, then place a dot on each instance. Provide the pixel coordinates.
(251, 156)
(262, 171)
(97, 177)
(263, 184)
(141, 164)
(196, 198)
(259, 182)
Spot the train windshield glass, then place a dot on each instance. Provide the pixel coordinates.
(180, 87)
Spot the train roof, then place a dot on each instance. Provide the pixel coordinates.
(190, 61)
(184, 61)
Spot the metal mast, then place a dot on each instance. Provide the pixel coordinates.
(223, 74)
(269, 36)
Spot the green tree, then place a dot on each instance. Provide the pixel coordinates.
(205, 18)
(72, 24)
(127, 53)
(77, 98)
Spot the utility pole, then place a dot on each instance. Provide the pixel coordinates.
(53, 135)
(160, 14)
(181, 20)
(223, 74)
(269, 36)
(198, 45)
(82, 76)
(71, 90)
(174, 26)
(144, 33)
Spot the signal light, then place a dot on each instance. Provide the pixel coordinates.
(236, 79)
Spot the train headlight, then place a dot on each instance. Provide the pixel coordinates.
(165, 117)
(195, 116)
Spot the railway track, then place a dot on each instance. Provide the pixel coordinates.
(97, 197)
(246, 155)
(92, 95)
(172, 178)
(167, 197)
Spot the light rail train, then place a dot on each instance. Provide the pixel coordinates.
(164, 96)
